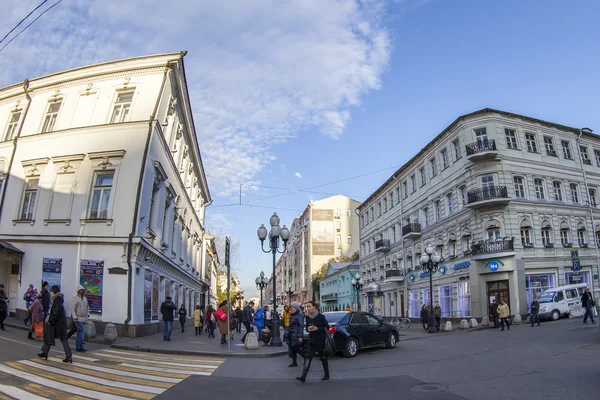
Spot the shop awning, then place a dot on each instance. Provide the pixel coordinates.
(9, 248)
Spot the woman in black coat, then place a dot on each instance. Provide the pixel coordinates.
(317, 328)
(55, 326)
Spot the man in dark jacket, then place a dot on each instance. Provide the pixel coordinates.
(166, 309)
(535, 309)
(3, 306)
(45, 299)
(494, 313)
(296, 333)
(587, 302)
(247, 319)
(239, 314)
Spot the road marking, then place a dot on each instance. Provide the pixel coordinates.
(159, 373)
(51, 393)
(154, 356)
(168, 370)
(17, 393)
(27, 344)
(143, 361)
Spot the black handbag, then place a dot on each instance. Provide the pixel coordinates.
(48, 334)
(329, 349)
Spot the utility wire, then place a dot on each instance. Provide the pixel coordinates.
(32, 22)
(21, 21)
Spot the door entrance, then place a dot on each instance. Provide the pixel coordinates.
(498, 290)
(13, 288)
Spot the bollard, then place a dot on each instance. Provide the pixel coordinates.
(485, 321)
(464, 324)
(90, 330)
(516, 319)
(110, 333)
(251, 342)
(448, 327)
(473, 323)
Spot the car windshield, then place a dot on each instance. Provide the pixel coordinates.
(334, 317)
(546, 297)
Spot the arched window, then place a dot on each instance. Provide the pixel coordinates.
(581, 234)
(526, 236)
(565, 234)
(546, 234)
(493, 231)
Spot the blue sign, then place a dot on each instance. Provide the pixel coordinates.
(424, 274)
(411, 277)
(574, 255)
(443, 269)
(462, 265)
(576, 266)
(494, 266)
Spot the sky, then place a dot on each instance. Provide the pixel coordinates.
(298, 100)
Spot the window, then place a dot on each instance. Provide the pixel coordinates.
(538, 284)
(415, 304)
(581, 237)
(549, 143)
(101, 192)
(51, 114)
(426, 296)
(592, 193)
(444, 154)
(511, 138)
(405, 185)
(453, 248)
(425, 213)
(585, 157)
(456, 146)
(446, 301)
(570, 279)
(391, 200)
(464, 299)
(519, 186)
(493, 234)
(398, 193)
(481, 135)
(566, 146)
(29, 197)
(13, 123)
(450, 203)
(597, 156)
(438, 210)
(433, 167)
(394, 234)
(463, 195)
(165, 225)
(539, 189)
(122, 106)
(526, 236)
(564, 237)
(338, 239)
(367, 218)
(467, 240)
(413, 181)
(574, 192)
(385, 206)
(423, 177)
(558, 196)
(531, 144)
(598, 238)
(546, 238)
(487, 182)
(379, 209)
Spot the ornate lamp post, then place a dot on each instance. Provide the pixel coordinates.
(261, 284)
(357, 284)
(274, 235)
(430, 261)
(289, 293)
(238, 297)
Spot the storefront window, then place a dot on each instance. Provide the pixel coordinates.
(584, 276)
(464, 299)
(415, 304)
(426, 296)
(538, 284)
(446, 301)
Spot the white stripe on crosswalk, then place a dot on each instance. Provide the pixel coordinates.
(101, 381)
(61, 386)
(158, 357)
(19, 394)
(120, 372)
(85, 358)
(174, 371)
(175, 364)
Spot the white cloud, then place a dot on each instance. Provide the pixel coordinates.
(298, 175)
(259, 72)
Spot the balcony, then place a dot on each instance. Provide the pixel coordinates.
(495, 249)
(329, 297)
(488, 196)
(411, 231)
(481, 150)
(382, 245)
(394, 275)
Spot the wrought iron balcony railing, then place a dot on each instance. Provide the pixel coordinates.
(382, 245)
(487, 193)
(392, 273)
(481, 146)
(414, 227)
(499, 246)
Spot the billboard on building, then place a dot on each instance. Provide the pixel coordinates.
(322, 232)
(91, 278)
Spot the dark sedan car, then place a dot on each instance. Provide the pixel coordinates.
(353, 331)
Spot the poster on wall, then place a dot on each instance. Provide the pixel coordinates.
(147, 296)
(322, 232)
(91, 278)
(155, 287)
(51, 270)
(378, 306)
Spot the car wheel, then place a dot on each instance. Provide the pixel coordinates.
(351, 348)
(391, 341)
(555, 315)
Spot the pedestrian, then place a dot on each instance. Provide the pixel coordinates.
(494, 313)
(182, 317)
(268, 317)
(285, 319)
(79, 314)
(259, 321)
(504, 315)
(247, 319)
(198, 319)
(239, 314)
(317, 335)
(535, 309)
(437, 313)
(233, 321)
(425, 316)
(210, 321)
(223, 323)
(3, 306)
(56, 326)
(45, 298)
(37, 315)
(29, 298)
(587, 302)
(295, 333)
(166, 309)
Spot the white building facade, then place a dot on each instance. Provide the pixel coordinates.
(504, 198)
(102, 184)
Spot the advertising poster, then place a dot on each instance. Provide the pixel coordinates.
(378, 306)
(91, 278)
(147, 296)
(51, 270)
(322, 232)
(155, 287)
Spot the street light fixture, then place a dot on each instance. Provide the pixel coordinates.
(357, 284)
(261, 284)
(274, 235)
(239, 296)
(430, 261)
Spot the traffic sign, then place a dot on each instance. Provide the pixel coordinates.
(575, 255)
(576, 266)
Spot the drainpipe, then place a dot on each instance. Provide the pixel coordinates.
(14, 150)
(138, 195)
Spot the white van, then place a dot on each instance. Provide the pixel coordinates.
(557, 302)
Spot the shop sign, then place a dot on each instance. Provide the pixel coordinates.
(411, 277)
(461, 265)
(493, 265)
(424, 274)
(442, 269)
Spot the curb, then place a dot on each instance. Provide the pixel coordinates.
(198, 353)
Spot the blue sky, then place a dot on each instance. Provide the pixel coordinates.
(329, 89)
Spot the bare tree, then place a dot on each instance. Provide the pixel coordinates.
(234, 251)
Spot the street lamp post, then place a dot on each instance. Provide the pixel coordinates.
(430, 261)
(238, 297)
(357, 284)
(289, 293)
(261, 284)
(274, 235)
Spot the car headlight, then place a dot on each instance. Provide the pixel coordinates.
(544, 309)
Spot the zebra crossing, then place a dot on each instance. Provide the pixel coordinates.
(104, 374)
